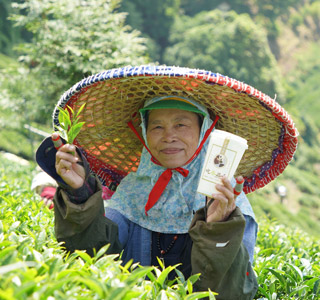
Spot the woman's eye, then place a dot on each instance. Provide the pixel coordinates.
(181, 125)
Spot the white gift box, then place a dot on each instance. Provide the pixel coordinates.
(223, 156)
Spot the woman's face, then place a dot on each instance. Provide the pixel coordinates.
(173, 136)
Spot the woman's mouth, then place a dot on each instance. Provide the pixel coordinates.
(170, 151)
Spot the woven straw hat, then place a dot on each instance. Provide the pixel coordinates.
(114, 97)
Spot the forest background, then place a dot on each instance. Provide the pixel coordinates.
(46, 46)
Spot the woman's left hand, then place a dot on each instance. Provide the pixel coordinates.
(224, 201)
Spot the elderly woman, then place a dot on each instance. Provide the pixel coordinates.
(155, 210)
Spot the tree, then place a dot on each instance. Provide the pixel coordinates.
(193, 7)
(4, 27)
(154, 19)
(267, 8)
(9, 35)
(75, 38)
(226, 43)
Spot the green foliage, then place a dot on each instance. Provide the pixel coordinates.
(304, 81)
(73, 39)
(307, 159)
(275, 8)
(191, 7)
(299, 208)
(23, 147)
(270, 8)
(19, 96)
(7, 62)
(69, 123)
(307, 182)
(34, 266)
(226, 43)
(308, 15)
(287, 263)
(9, 35)
(141, 14)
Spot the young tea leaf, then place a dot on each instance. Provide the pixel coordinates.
(74, 131)
(69, 124)
(80, 109)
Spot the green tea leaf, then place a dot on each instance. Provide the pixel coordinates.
(164, 274)
(94, 285)
(80, 109)
(296, 270)
(316, 287)
(85, 256)
(200, 295)
(18, 265)
(190, 287)
(64, 118)
(69, 108)
(74, 131)
(279, 275)
(70, 126)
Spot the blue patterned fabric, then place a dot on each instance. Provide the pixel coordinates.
(176, 206)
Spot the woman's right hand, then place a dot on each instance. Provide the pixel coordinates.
(67, 164)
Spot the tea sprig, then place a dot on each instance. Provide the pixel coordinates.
(69, 123)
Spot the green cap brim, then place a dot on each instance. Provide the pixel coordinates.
(173, 104)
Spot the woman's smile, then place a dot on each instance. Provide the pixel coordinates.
(171, 151)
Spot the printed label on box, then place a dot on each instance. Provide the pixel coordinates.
(219, 163)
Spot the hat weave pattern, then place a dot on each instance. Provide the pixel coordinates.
(114, 97)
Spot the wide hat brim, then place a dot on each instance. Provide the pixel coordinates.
(114, 97)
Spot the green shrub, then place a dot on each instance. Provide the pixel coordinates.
(309, 201)
(287, 263)
(34, 266)
(307, 182)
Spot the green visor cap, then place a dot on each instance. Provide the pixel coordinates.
(175, 104)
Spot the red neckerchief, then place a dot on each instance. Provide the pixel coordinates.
(165, 177)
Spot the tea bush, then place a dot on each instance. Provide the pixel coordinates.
(34, 266)
(287, 263)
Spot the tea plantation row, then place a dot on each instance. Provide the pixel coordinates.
(34, 266)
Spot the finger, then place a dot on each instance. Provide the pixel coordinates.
(225, 194)
(239, 186)
(226, 189)
(226, 182)
(227, 198)
(65, 153)
(67, 148)
(64, 164)
(220, 200)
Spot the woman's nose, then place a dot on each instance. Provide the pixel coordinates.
(169, 135)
